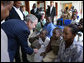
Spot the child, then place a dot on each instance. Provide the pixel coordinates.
(53, 46)
(43, 42)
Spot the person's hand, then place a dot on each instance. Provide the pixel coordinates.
(35, 50)
(43, 54)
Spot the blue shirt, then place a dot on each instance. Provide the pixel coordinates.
(74, 53)
(49, 27)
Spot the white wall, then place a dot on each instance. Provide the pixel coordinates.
(77, 4)
(23, 2)
(47, 3)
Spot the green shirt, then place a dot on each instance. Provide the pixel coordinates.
(25, 13)
(39, 27)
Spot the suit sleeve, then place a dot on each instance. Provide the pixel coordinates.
(22, 37)
(54, 11)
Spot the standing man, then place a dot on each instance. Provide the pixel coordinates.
(17, 13)
(17, 32)
(5, 8)
(51, 11)
(35, 11)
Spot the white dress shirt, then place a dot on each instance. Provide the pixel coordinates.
(51, 9)
(2, 21)
(19, 12)
(4, 47)
(35, 10)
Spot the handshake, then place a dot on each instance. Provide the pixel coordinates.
(35, 51)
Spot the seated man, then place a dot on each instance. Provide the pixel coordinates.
(40, 42)
(53, 46)
(49, 26)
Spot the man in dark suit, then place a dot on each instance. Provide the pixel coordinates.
(17, 32)
(35, 11)
(51, 11)
(16, 13)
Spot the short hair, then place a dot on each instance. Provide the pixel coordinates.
(34, 5)
(59, 29)
(22, 6)
(44, 30)
(51, 1)
(66, 8)
(6, 2)
(30, 17)
(81, 20)
(74, 28)
(49, 18)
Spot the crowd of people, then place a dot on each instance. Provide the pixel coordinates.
(48, 43)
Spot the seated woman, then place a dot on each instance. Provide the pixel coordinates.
(53, 46)
(70, 50)
(41, 23)
(43, 41)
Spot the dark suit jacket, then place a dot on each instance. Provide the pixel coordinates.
(14, 15)
(36, 13)
(53, 12)
(17, 33)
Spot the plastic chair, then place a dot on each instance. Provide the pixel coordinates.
(67, 22)
(77, 17)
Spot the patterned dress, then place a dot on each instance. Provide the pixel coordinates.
(74, 53)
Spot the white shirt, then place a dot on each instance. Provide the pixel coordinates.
(51, 9)
(19, 13)
(35, 9)
(79, 38)
(4, 47)
(74, 21)
(2, 21)
(37, 57)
